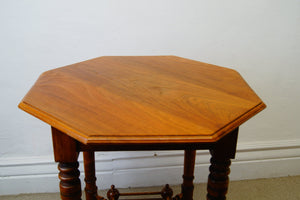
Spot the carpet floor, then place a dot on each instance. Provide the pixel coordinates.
(260, 189)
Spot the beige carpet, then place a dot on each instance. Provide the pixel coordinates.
(261, 189)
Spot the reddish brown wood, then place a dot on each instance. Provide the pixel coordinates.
(90, 176)
(141, 146)
(113, 193)
(138, 193)
(66, 153)
(142, 103)
(64, 147)
(218, 179)
(167, 192)
(142, 100)
(145, 199)
(187, 187)
(70, 187)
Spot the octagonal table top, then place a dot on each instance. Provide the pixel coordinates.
(142, 99)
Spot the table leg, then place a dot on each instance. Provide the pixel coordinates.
(187, 187)
(90, 176)
(70, 187)
(218, 180)
(66, 153)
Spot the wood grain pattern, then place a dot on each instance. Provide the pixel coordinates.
(142, 100)
(65, 148)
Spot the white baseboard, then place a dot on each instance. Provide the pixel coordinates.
(149, 168)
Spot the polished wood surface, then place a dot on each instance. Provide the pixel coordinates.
(142, 103)
(70, 186)
(218, 179)
(166, 194)
(90, 176)
(187, 186)
(142, 100)
(66, 153)
(65, 148)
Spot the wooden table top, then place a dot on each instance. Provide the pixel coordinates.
(142, 99)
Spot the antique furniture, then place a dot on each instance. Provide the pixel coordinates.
(119, 103)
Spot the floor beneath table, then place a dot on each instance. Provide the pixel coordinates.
(261, 189)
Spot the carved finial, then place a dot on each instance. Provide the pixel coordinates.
(113, 193)
(167, 192)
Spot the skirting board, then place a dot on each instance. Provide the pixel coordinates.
(149, 168)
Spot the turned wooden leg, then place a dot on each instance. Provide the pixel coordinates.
(187, 187)
(66, 153)
(90, 177)
(70, 187)
(218, 179)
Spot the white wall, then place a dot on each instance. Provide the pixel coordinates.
(259, 38)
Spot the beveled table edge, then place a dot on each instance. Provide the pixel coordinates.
(52, 121)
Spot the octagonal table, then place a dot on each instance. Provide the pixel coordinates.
(118, 103)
